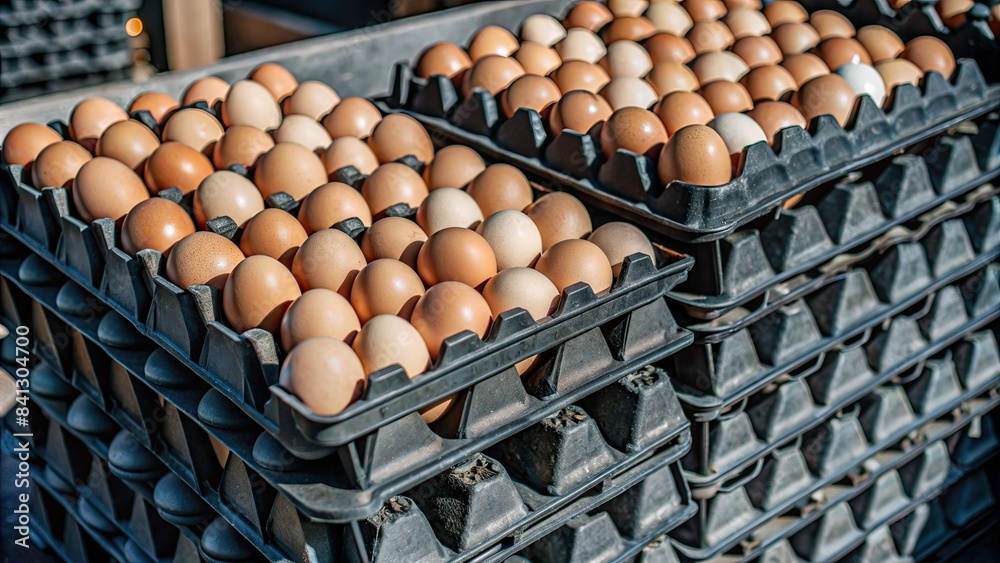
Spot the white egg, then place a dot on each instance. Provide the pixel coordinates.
(864, 79)
(627, 59)
(737, 130)
(669, 17)
(543, 29)
(581, 45)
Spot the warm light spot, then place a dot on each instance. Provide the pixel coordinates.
(133, 27)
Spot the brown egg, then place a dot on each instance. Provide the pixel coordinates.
(176, 165)
(521, 288)
(499, 187)
(588, 15)
(719, 66)
(669, 17)
(155, 223)
(276, 78)
(128, 142)
(325, 374)
(349, 151)
(795, 38)
(330, 204)
(311, 98)
(393, 183)
(386, 287)
(899, 71)
(746, 22)
(514, 238)
(559, 216)
(953, 11)
(195, 128)
(289, 168)
(492, 40)
(930, 54)
(626, 59)
(158, 104)
(680, 109)
(530, 92)
(620, 240)
(758, 51)
(105, 187)
(667, 48)
(446, 59)
(448, 309)
(536, 58)
(91, 117)
(241, 144)
(542, 29)
(825, 94)
(352, 117)
(448, 207)
(628, 93)
(226, 193)
(257, 294)
(785, 11)
(275, 233)
(209, 89)
(839, 51)
(393, 237)
(805, 67)
(695, 155)
(751, 4)
(628, 29)
(328, 259)
(769, 83)
(250, 103)
(400, 135)
(633, 129)
(319, 313)
(710, 36)
(456, 254)
(572, 261)
(581, 45)
(579, 75)
(831, 24)
(881, 43)
(668, 77)
(627, 8)
(454, 166)
(202, 258)
(578, 110)
(492, 73)
(24, 142)
(303, 130)
(726, 97)
(386, 340)
(704, 10)
(775, 116)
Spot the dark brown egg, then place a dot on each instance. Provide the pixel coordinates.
(446, 59)
(704, 10)
(176, 165)
(24, 142)
(725, 97)
(536, 58)
(775, 116)
(289, 168)
(202, 258)
(158, 104)
(580, 75)
(696, 155)
(785, 11)
(707, 37)
(664, 47)
(804, 67)
(769, 83)
(492, 40)
(758, 51)
(588, 15)
(881, 43)
(631, 29)
(500, 187)
(393, 183)
(578, 110)
(241, 144)
(839, 51)
(492, 73)
(795, 38)
(831, 24)
(680, 109)
(827, 94)
(530, 92)
(276, 79)
(633, 129)
(448, 309)
(559, 216)
(156, 223)
(930, 54)
(57, 165)
(400, 135)
(454, 166)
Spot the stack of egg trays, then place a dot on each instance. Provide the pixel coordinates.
(552, 471)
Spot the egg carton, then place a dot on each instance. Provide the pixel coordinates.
(63, 35)
(16, 13)
(948, 525)
(900, 428)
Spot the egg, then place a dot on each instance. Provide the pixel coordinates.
(393, 237)
(155, 223)
(579, 75)
(708, 37)
(805, 67)
(695, 155)
(930, 54)
(385, 287)
(250, 103)
(770, 82)
(399, 135)
(330, 204)
(710, 67)
(318, 313)
(620, 240)
(758, 51)
(795, 38)
(325, 374)
(456, 254)
(276, 78)
(128, 142)
(628, 29)
(831, 24)
(91, 117)
(664, 47)
(453, 166)
(726, 96)
(746, 22)
(176, 165)
(668, 77)
(303, 130)
(627, 8)
(228, 194)
(387, 340)
(393, 183)
(448, 207)
(953, 11)
(275, 233)
(737, 131)
(521, 288)
(312, 99)
(626, 59)
(352, 117)
(559, 216)
(751, 4)
(680, 109)
(864, 79)
(241, 144)
(775, 116)
(158, 104)
(899, 71)
(446, 59)
(785, 11)
(578, 110)
(499, 187)
(289, 168)
(542, 29)
(328, 259)
(349, 151)
(633, 129)
(492, 40)
(881, 43)
(530, 92)
(588, 15)
(839, 51)
(514, 238)
(581, 45)
(827, 94)
(209, 89)
(448, 309)
(105, 187)
(195, 128)
(572, 261)
(202, 258)
(536, 58)
(669, 17)
(629, 93)
(704, 10)
(24, 142)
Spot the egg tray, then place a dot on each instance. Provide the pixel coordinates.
(90, 60)
(884, 432)
(44, 87)
(63, 35)
(946, 529)
(17, 13)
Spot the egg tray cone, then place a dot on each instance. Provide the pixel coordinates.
(36, 31)
(94, 64)
(934, 536)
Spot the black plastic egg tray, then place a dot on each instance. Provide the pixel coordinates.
(949, 525)
(56, 35)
